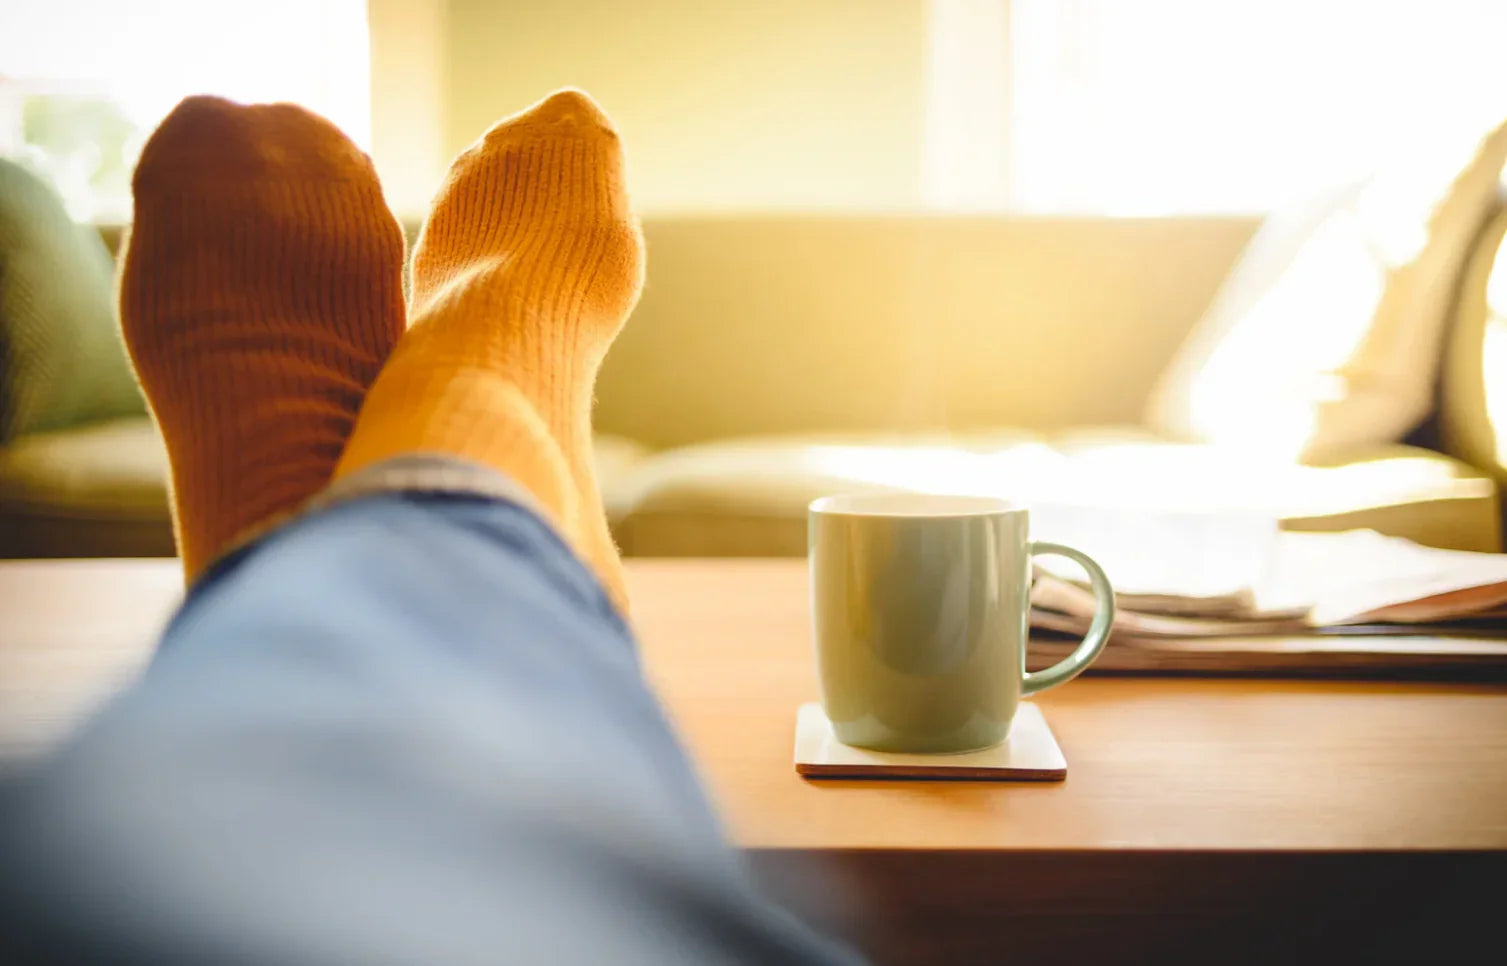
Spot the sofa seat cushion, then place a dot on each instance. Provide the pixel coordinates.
(97, 490)
(748, 497)
(101, 490)
(614, 459)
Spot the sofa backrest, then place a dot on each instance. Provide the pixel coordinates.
(783, 323)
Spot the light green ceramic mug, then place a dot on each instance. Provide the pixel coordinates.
(921, 606)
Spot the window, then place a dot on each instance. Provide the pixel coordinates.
(1185, 106)
(82, 82)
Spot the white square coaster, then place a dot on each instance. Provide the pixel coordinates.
(1030, 753)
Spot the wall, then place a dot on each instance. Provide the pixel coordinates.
(408, 99)
(779, 103)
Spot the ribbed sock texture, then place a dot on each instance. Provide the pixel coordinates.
(261, 293)
(528, 265)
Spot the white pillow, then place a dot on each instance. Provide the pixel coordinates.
(1326, 335)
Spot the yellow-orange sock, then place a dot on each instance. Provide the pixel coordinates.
(525, 271)
(261, 293)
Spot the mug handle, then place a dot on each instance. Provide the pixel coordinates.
(1098, 631)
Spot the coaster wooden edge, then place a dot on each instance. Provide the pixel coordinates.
(959, 772)
(1031, 753)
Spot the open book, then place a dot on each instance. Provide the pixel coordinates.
(1227, 578)
(1199, 574)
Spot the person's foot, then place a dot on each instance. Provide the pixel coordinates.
(525, 271)
(262, 291)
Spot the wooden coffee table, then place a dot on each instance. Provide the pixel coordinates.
(1252, 820)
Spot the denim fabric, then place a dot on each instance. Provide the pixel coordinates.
(403, 729)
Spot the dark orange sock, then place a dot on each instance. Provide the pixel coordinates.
(262, 292)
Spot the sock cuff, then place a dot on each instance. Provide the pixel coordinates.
(425, 473)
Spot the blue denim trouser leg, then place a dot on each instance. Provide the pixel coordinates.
(404, 729)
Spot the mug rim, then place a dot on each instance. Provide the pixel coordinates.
(921, 505)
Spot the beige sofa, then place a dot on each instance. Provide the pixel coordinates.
(777, 358)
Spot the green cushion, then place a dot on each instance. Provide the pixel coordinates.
(61, 359)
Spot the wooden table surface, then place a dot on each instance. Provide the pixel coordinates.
(1181, 763)
(1191, 780)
